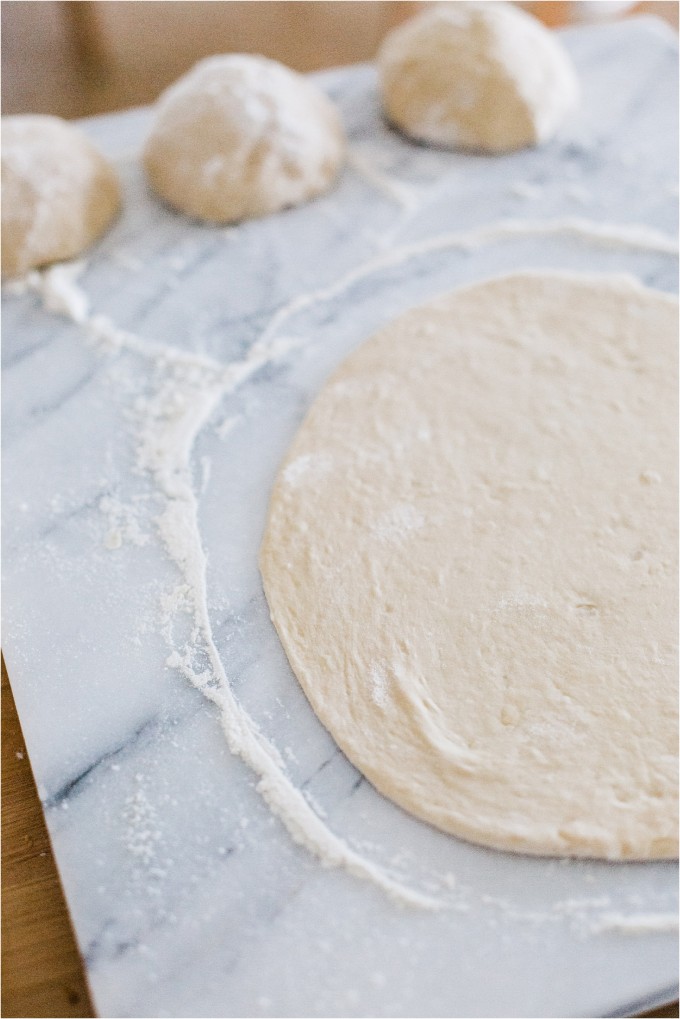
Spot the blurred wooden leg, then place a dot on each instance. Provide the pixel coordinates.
(401, 10)
(666, 9)
(84, 32)
(554, 15)
(42, 974)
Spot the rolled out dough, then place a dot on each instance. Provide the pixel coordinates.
(470, 561)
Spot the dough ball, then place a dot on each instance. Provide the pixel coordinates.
(58, 192)
(471, 562)
(241, 136)
(482, 76)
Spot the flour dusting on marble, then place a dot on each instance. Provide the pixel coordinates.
(122, 523)
(635, 237)
(142, 833)
(526, 190)
(186, 391)
(61, 292)
(306, 468)
(166, 453)
(378, 685)
(227, 426)
(396, 523)
(166, 425)
(396, 191)
(636, 923)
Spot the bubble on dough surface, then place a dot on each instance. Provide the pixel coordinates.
(241, 136)
(481, 76)
(58, 192)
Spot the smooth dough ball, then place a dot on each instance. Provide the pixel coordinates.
(471, 562)
(483, 76)
(242, 136)
(58, 192)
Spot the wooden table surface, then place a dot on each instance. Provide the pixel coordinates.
(51, 54)
(41, 970)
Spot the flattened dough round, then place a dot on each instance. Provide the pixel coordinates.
(58, 192)
(470, 561)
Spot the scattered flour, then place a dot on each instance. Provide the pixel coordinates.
(398, 522)
(186, 391)
(636, 923)
(604, 234)
(166, 426)
(127, 261)
(306, 468)
(579, 193)
(141, 834)
(122, 522)
(227, 426)
(378, 685)
(314, 804)
(396, 191)
(524, 189)
(61, 293)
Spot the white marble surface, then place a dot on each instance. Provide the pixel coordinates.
(188, 897)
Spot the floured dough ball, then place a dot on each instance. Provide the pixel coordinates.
(58, 192)
(482, 76)
(241, 136)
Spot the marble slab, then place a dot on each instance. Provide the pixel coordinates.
(188, 896)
